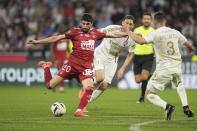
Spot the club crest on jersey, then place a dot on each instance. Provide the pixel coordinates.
(87, 35)
(88, 45)
(93, 36)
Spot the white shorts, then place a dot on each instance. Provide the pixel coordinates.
(160, 80)
(109, 67)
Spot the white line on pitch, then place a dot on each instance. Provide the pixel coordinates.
(136, 127)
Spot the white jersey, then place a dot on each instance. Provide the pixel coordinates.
(166, 45)
(112, 47)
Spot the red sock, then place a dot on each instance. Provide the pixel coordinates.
(81, 92)
(47, 77)
(86, 96)
(62, 84)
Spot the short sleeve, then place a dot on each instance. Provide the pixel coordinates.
(104, 29)
(70, 34)
(150, 37)
(110, 28)
(100, 35)
(181, 38)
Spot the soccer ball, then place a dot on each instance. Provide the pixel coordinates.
(58, 109)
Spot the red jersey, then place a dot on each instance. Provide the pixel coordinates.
(83, 45)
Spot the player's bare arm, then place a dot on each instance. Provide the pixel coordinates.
(47, 40)
(124, 66)
(189, 46)
(116, 35)
(136, 37)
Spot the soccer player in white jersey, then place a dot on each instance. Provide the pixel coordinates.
(107, 53)
(168, 63)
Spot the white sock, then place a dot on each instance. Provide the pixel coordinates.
(95, 95)
(78, 110)
(156, 100)
(182, 94)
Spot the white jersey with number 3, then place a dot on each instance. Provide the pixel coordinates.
(166, 45)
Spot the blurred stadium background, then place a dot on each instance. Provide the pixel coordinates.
(21, 20)
(28, 109)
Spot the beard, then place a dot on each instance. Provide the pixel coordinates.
(146, 24)
(85, 30)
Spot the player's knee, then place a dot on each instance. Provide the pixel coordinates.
(180, 87)
(100, 79)
(144, 77)
(146, 94)
(137, 80)
(103, 85)
(149, 94)
(51, 85)
(89, 85)
(89, 88)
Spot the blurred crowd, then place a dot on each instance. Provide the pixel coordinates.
(21, 20)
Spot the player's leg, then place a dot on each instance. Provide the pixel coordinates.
(137, 78)
(147, 62)
(99, 75)
(61, 89)
(56, 80)
(60, 63)
(137, 71)
(157, 83)
(144, 79)
(49, 81)
(80, 94)
(108, 73)
(88, 87)
(182, 94)
(99, 63)
(137, 68)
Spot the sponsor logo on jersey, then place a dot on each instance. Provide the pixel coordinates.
(88, 45)
(93, 34)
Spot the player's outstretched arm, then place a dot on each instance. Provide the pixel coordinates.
(136, 37)
(189, 46)
(116, 35)
(124, 66)
(47, 40)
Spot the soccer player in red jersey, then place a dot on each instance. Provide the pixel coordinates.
(80, 63)
(60, 52)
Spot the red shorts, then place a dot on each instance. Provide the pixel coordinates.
(60, 62)
(72, 70)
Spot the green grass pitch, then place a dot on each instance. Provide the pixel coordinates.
(28, 109)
